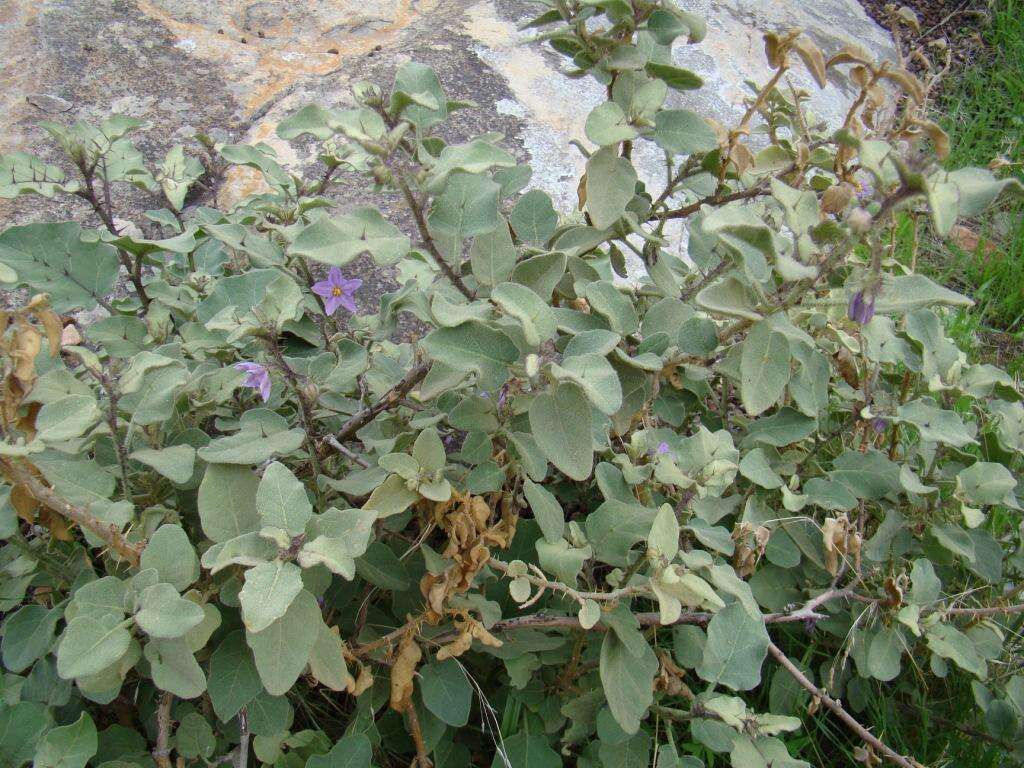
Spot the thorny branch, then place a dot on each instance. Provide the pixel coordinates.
(837, 709)
(19, 474)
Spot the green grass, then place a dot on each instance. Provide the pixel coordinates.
(982, 109)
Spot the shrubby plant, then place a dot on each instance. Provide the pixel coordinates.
(571, 518)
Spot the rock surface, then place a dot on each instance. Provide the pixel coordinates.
(240, 66)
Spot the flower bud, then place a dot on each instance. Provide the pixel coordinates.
(860, 220)
(532, 365)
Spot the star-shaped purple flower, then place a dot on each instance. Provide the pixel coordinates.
(257, 377)
(337, 291)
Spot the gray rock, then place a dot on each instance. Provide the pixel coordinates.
(240, 66)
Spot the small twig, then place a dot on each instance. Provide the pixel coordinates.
(390, 399)
(332, 441)
(162, 752)
(120, 449)
(304, 407)
(422, 761)
(994, 610)
(579, 597)
(241, 758)
(19, 474)
(837, 709)
(428, 240)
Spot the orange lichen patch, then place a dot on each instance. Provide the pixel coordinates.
(284, 42)
(241, 181)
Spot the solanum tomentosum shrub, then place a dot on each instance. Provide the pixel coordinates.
(577, 517)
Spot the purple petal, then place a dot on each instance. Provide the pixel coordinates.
(324, 288)
(351, 286)
(346, 301)
(264, 387)
(856, 306)
(663, 447)
(332, 302)
(335, 278)
(250, 368)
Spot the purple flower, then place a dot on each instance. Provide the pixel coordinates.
(862, 308)
(879, 424)
(663, 447)
(865, 191)
(256, 376)
(337, 291)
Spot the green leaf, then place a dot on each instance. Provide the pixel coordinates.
(428, 451)
(546, 510)
(22, 173)
(628, 681)
(467, 207)
(683, 132)
(269, 590)
(541, 273)
(664, 535)
(380, 566)
(611, 182)
(986, 482)
(885, 650)
(282, 649)
(607, 125)
(21, 726)
(476, 156)
(175, 669)
(165, 613)
(234, 681)
(935, 424)
(68, 746)
(67, 418)
(736, 648)
(281, 500)
(338, 240)
(473, 346)
(560, 422)
(950, 643)
(420, 80)
(730, 297)
(391, 497)
(869, 475)
(528, 308)
(534, 218)
(194, 737)
(352, 751)
(172, 556)
(177, 174)
(492, 255)
(527, 750)
(336, 538)
(607, 300)
(906, 293)
(176, 462)
(615, 526)
(784, 427)
(27, 635)
(764, 368)
(446, 691)
(227, 502)
(979, 188)
(52, 258)
(755, 467)
(90, 645)
(263, 434)
(674, 77)
(327, 660)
